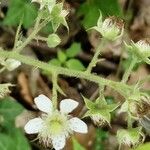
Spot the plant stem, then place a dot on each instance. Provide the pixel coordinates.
(95, 57)
(64, 71)
(41, 38)
(128, 71)
(37, 28)
(54, 90)
(129, 121)
(17, 36)
(2, 69)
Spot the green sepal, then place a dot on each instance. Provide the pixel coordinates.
(89, 104)
(58, 17)
(112, 107)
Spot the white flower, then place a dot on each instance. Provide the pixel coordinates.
(46, 3)
(55, 126)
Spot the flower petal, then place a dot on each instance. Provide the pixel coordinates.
(58, 142)
(68, 105)
(43, 103)
(78, 125)
(33, 126)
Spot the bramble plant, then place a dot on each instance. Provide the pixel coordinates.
(54, 126)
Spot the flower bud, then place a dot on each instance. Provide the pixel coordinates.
(11, 64)
(111, 28)
(53, 40)
(58, 16)
(140, 50)
(130, 137)
(143, 46)
(99, 111)
(139, 108)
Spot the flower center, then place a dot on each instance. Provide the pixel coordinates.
(55, 127)
(55, 124)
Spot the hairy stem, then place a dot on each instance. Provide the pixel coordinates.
(54, 90)
(37, 28)
(17, 36)
(120, 87)
(128, 71)
(129, 121)
(95, 57)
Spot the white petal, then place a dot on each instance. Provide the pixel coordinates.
(68, 105)
(78, 125)
(58, 142)
(43, 103)
(33, 126)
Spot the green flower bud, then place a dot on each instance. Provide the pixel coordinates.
(130, 137)
(53, 40)
(140, 50)
(99, 111)
(111, 28)
(11, 64)
(58, 16)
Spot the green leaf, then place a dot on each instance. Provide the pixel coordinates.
(6, 142)
(145, 146)
(75, 64)
(48, 28)
(61, 56)
(100, 137)
(55, 62)
(90, 10)
(14, 141)
(53, 40)
(18, 9)
(9, 109)
(77, 145)
(74, 50)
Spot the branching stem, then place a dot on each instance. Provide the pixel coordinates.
(118, 86)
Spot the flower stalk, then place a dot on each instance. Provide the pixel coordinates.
(54, 90)
(36, 29)
(129, 70)
(95, 57)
